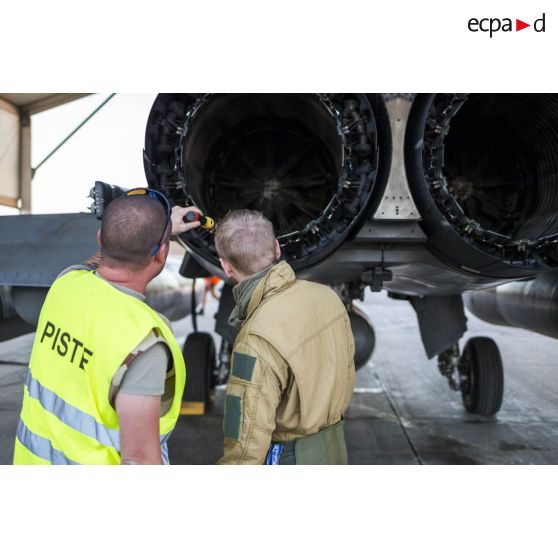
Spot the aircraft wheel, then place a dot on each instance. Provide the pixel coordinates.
(364, 336)
(482, 388)
(199, 355)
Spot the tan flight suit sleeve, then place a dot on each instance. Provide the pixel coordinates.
(251, 401)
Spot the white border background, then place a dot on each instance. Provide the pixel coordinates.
(253, 45)
(292, 45)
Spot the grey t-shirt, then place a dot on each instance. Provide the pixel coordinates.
(146, 374)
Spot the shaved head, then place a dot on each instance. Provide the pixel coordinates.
(130, 229)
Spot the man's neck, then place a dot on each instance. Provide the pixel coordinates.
(123, 278)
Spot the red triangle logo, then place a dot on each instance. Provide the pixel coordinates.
(519, 25)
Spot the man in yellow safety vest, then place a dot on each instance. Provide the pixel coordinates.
(106, 374)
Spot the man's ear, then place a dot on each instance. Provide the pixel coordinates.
(99, 236)
(162, 254)
(277, 250)
(227, 267)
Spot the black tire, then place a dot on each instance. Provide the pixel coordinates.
(199, 355)
(482, 390)
(364, 336)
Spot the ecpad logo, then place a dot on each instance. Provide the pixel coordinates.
(494, 24)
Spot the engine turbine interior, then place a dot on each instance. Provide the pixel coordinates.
(487, 165)
(309, 162)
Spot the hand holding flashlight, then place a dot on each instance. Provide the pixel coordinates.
(206, 222)
(187, 218)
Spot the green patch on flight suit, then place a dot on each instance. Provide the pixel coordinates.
(233, 414)
(243, 366)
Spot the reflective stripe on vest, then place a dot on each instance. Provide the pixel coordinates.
(164, 448)
(41, 447)
(71, 416)
(74, 418)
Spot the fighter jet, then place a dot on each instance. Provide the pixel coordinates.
(436, 198)
(439, 199)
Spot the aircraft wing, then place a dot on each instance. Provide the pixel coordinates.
(34, 249)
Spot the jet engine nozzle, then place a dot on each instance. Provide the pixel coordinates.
(483, 169)
(309, 162)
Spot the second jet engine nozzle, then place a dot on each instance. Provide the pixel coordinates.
(309, 162)
(483, 169)
(530, 305)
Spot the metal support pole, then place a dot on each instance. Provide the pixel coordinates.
(25, 171)
(71, 134)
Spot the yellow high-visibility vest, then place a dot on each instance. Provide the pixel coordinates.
(86, 330)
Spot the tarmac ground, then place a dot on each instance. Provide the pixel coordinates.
(402, 412)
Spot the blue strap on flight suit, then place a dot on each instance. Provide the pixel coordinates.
(274, 454)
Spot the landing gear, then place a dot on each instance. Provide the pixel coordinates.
(483, 390)
(361, 326)
(478, 373)
(199, 355)
(223, 369)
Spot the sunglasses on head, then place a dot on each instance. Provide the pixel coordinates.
(155, 194)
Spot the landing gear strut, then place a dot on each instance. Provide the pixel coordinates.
(199, 355)
(478, 373)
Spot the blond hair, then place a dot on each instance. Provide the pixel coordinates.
(246, 239)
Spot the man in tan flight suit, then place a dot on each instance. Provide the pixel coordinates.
(292, 372)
